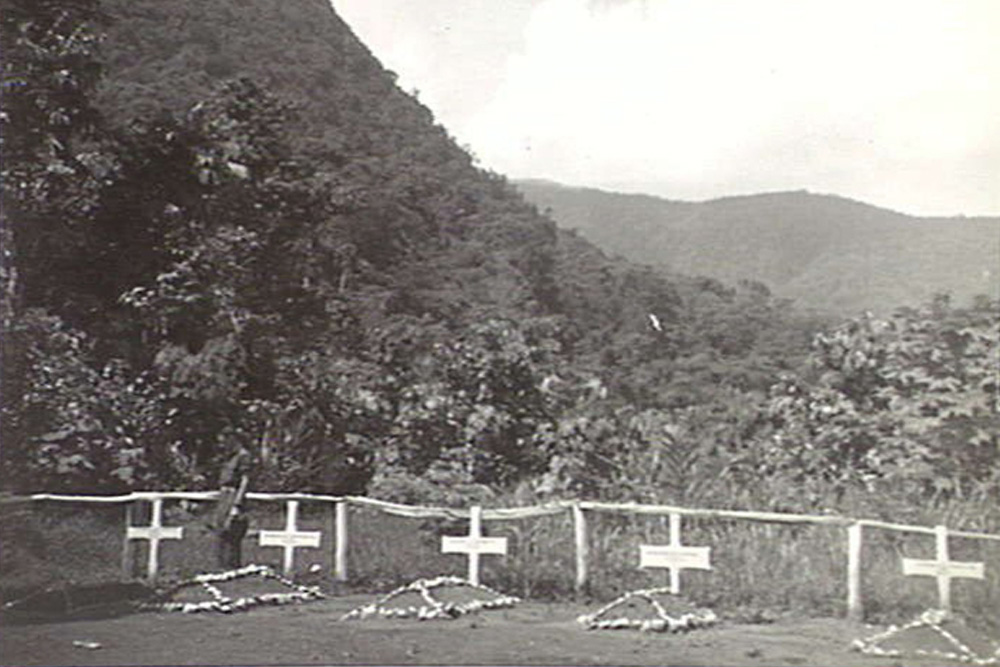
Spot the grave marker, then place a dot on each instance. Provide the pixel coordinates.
(942, 569)
(154, 532)
(675, 556)
(474, 544)
(291, 538)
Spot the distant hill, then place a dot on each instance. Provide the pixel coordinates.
(825, 252)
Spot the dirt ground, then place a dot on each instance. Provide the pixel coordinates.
(528, 634)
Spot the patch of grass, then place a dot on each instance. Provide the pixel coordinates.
(55, 544)
(387, 551)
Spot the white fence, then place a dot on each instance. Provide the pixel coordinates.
(675, 556)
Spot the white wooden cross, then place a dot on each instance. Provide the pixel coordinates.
(474, 544)
(154, 532)
(943, 569)
(676, 557)
(291, 538)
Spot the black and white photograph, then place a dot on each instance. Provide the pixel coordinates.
(500, 332)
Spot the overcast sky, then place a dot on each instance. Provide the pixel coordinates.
(893, 102)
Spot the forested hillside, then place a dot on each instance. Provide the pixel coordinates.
(225, 228)
(826, 253)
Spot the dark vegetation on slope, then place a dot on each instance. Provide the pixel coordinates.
(244, 235)
(826, 253)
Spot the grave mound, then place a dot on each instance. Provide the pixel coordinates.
(235, 590)
(650, 610)
(438, 598)
(76, 602)
(935, 633)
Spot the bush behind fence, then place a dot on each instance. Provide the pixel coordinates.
(756, 566)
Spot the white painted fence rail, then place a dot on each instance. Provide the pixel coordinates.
(941, 568)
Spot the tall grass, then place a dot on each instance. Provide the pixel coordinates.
(772, 567)
(43, 545)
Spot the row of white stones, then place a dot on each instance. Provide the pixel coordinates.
(931, 618)
(224, 604)
(434, 608)
(664, 623)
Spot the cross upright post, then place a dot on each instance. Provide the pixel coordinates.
(943, 569)
(291, 538)
(154, 532)
(475, 544)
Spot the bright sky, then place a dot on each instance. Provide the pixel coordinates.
(892, 102)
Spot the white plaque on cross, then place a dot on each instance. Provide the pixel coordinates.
(943, 569)
(291, 538)
(154, 532)
(474, 544)
(675, 556)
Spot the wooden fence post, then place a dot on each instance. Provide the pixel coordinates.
(855, 606)
(580, 535)
(340, 556)
(330, 533)
(128, 554)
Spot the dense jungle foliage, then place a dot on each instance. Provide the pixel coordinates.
(206, 249)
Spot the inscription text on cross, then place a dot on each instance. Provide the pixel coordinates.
(474, 544)
(675, 556)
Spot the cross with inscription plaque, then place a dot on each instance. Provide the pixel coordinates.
(154, 532)
(291, 538)
(675, 556)
(942, 568)
(474, 544)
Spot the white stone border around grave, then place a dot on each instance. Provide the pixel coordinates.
(663, 623)
(434, 609)
(674, 557)
(932, 618)
(223, 604)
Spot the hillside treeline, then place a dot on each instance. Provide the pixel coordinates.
(343, 294)
(827, 253)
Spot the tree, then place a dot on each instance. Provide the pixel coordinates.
(54, 167)
(78, 425)
(907, 405)
(472, 400)
(246, 299)
(54, 162)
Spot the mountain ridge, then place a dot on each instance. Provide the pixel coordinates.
(548, 182)
(827, 252)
